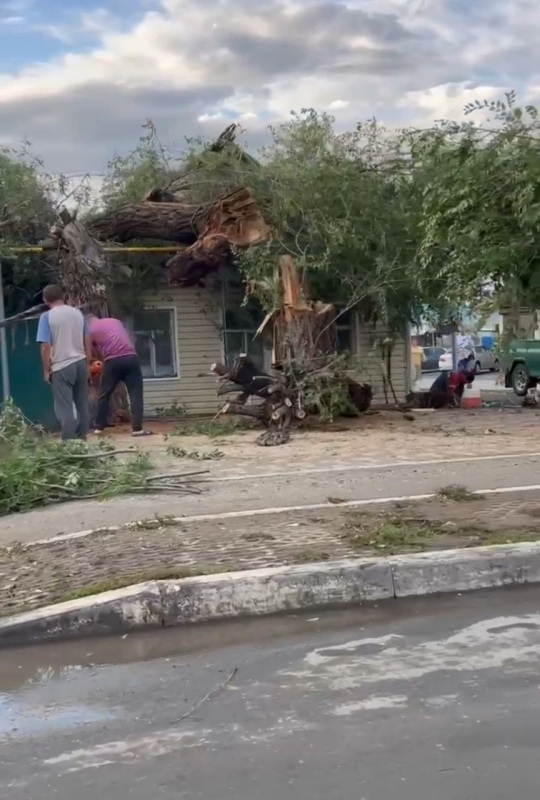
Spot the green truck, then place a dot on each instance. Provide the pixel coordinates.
(522, 365)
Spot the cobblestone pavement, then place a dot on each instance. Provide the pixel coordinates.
(377, 438)
(35, 575)
(401, 457)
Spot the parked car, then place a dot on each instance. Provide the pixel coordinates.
(430, 360)
(484, 361)
(522, 365)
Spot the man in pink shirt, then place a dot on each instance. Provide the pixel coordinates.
(120, 365)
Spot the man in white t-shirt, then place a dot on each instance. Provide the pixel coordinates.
(65, 351)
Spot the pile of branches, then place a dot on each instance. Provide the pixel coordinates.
(36, 471)
(286, 399)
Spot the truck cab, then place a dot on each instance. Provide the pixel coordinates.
(522, 365)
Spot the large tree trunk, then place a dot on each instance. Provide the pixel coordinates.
(234, 215)
(85, 271)
(170, 222)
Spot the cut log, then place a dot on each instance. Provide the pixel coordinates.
(219, 369)
(259, 412)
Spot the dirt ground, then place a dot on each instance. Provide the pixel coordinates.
(384, 437)
(36, 575)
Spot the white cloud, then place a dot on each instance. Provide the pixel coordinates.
(192, 66)
(11, 20)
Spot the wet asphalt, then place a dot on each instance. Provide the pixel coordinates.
(435, 698)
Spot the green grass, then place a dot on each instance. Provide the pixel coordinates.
(306, 556)
(458, 493)
(509, 537)
(394, 535)
(213, 428)
(131, 579)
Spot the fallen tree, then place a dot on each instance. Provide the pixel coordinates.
(310, 378)
(287, 398)
(210, 233)
(36, 471)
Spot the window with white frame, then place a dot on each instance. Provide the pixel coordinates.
(154, 336)
(240, 327)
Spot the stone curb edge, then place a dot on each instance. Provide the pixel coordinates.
(158, 604)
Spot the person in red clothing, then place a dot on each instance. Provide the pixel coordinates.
(449, 387)
(120, 365)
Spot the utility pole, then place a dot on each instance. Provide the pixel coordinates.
(3, 344)
(454, 345)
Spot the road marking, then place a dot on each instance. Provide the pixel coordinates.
(261, 512)
(359, 467)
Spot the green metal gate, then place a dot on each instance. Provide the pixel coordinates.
(27, 387)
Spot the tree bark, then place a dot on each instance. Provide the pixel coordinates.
(170, 222)
(85, 272)
(192, 266)
(235, 216)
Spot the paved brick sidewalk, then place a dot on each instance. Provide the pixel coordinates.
(377, 438)
(35, 575)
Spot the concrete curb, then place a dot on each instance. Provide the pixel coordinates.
(258, 592)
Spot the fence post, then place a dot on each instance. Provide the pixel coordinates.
(3, 344)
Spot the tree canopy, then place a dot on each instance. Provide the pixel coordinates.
(396, 223)
(480, 212)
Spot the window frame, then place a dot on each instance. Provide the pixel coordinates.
(351, 327)
(244, 332)
(174, 333)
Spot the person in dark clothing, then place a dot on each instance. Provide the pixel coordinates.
(120, 365)
(448, 387)
(466, 364)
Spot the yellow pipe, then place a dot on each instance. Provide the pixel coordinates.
(118, 249)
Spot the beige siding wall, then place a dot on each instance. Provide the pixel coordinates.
(369, 363)
(199, 344)
(198, 347)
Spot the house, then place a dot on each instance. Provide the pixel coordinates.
(181, 332)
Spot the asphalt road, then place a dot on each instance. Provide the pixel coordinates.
(436, 699)
(295, 488)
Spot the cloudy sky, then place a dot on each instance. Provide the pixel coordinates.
(78, 78)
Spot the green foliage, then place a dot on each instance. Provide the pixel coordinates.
(25, 197)
(324, 391)
(36, 471)
(213, 428)
(480, 212)
(147, 166)
(340, 205)
(393, 223)
(29, 200)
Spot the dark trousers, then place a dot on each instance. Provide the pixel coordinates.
(126, 370)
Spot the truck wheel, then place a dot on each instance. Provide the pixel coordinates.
(520, 379)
